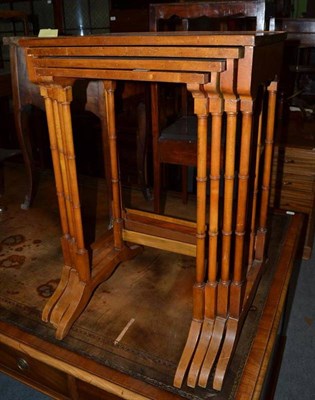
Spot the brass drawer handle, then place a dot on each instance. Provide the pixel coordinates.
(289, 161)
(22, 364)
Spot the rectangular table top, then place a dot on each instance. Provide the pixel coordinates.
(200, 38)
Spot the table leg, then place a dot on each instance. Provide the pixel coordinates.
(45, 92)
(231, 104)
(238, 282)
(201, 110)
(79, 278)
(216, 111)
(261, 234)
(251, 251)
(239, 303)
(69, 299)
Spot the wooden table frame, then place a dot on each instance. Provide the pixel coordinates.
(223, 72)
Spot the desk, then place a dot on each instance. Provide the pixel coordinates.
(225, 74)
(143, 363)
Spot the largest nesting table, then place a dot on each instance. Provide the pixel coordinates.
(229, 75)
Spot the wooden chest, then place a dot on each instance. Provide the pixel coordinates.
(293, 176)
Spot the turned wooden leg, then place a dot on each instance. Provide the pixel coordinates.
(217, 294)
(261, 234)
(96, 104)
(155, 148)
(109, 87)
(77, 281)
(59, 310)
(254, 194)
(216, 110)
(201, 110)
(237, 285)
(142, 150)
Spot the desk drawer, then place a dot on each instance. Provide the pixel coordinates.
(33, 372)
(47, 379)
(291, 200)
(293, 179)
(295, 161)
(291, 182)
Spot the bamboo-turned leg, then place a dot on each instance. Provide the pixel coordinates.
(261, 234)
(54, 309)
(113, 249)
(67, 302)
(155, 147)
(242, 202)
(237, 285)
(222, 291)
(109, 90)
(216, 110)
(255, 188)
(79, 279)
(47, 94)
(201, 110)
(78, 293)
(142, 150)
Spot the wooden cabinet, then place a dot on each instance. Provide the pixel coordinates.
(293, 175)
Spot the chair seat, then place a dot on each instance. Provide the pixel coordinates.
(7, 153)
(184, 129)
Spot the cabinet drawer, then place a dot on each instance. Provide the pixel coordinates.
(293, 182)
(295, 161)
(33, 372)
(291, 200)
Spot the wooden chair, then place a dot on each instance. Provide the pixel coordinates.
(176, 144)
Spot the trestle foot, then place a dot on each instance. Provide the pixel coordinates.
(205, 337)
(72, 294)
(188, 352)
(226, 353)
(212, 352)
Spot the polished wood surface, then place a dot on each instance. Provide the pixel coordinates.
(55, 64)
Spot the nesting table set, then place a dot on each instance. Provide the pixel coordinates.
(230, 75)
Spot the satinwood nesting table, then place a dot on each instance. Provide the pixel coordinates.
(232, 77)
